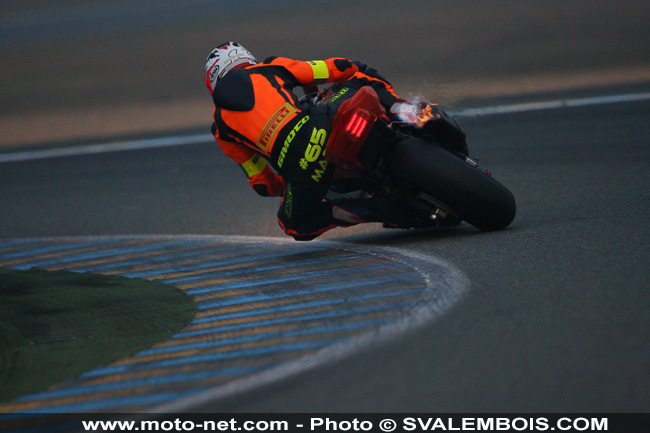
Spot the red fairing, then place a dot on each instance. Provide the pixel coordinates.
(352, 124)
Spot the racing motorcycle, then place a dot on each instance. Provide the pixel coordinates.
(411, 165)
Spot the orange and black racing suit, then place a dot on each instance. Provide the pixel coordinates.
(260, 124)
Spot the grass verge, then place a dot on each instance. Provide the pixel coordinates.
(55, 325)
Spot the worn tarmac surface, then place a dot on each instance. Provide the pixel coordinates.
(556, 316)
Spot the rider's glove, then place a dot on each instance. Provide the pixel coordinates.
(362, 66)
(371, 72)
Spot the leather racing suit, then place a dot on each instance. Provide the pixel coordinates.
(280, 144)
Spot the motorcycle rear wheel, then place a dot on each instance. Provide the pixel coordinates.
(469, 192)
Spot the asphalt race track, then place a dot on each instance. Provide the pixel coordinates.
(555, 318)
(266, 308)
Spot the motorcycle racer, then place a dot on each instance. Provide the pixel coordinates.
(280, 142)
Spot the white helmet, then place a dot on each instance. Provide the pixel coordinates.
(224, 58)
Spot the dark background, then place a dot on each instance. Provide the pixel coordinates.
(80, 69)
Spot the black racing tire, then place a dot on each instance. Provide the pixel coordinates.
(475, 196)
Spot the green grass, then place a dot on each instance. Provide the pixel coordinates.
(55, 325)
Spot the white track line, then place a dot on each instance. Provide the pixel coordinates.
(180, 140)
(551, 105)
(148, 143)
